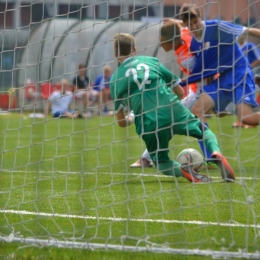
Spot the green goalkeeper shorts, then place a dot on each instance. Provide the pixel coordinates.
(157, 141)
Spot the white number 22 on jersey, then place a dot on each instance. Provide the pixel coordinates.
(133, 72)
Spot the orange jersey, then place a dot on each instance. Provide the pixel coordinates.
(183, 54)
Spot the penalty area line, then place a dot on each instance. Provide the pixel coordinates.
(165, 221)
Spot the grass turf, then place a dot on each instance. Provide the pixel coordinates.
(69, 180)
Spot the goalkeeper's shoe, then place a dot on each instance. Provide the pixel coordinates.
(142, 163)
(227, 172)
(193, 176)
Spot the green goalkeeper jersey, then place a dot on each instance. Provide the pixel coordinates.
(144, 85)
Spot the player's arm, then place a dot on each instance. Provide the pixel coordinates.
(255, 53)
(238, 30)
(123, 120)
(178, 90)
(252, 31)
(256, 33)
(255, 63)
(172, 20)
(172, 81)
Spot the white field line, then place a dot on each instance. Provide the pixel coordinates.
(165, 221)
(159, 175)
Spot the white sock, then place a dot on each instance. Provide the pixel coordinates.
(146, 155)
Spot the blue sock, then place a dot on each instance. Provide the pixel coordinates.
(106, 109)
(203, 148)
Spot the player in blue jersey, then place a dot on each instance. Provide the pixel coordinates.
(252, 53)
(250, 50)
(148, 88)
(215, 45)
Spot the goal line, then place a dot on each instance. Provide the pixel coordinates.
(189, 222)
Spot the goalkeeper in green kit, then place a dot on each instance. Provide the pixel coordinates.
(148, 88)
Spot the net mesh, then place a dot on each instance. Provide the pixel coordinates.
(68, 181)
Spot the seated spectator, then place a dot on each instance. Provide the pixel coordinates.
(59, 102)
(101, 89)
(81, 85)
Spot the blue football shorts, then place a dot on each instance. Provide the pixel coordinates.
(229, 88)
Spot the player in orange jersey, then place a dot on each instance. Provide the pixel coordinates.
(177, 38)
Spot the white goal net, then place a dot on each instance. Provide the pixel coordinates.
(67, 182)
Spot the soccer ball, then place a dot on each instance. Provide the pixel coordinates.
(192, 157)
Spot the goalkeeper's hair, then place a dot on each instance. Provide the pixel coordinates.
(171, 31)
(124, 44)
(189, 11)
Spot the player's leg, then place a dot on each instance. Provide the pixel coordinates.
(243, 95)
(102, 102)
(85, 98)
(217, 158)
(57, 114)
(204, 104)
(202, 107)
(160, 157)
(195, 128)
(246, 115)
(144, 161)
(239, 123)
(189, 102)
(203, 147)
(62, 114)
(82, 94)
(231, 108)
(98, 96)
(71, 114)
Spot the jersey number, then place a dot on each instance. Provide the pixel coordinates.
(133, 72)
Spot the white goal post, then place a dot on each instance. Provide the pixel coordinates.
(67, 182)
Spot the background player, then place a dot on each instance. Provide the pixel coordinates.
(214, 43)
(144, 84)
(177, 38)
(252, 53)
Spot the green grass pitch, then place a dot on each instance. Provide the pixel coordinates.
(69, 180)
